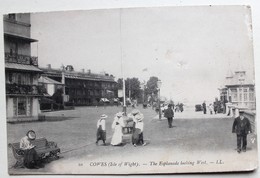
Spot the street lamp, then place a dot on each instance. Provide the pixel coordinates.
(159, 83)
(143, 88)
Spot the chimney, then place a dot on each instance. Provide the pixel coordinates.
(83, 70)
(89, 71)
(49, 66)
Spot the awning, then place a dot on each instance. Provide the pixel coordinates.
(46, 100)
(48, 80)
(20, 37)
(16, 66)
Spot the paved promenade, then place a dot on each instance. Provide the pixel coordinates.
(197, 142)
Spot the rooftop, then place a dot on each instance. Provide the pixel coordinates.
(77, 75)
(47, 80)
(238, 78)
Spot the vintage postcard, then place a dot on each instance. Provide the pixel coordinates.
(130, 91)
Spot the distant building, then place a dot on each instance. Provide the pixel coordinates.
(21, 69)
(239, 90)
(83, 88)
(49, 85)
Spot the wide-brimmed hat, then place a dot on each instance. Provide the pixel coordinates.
(135, 111)
(103, 116)
(119, 114)
(31, 134)
(139, 118)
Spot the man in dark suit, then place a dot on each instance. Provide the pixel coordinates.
(168, 113)
(241, 127)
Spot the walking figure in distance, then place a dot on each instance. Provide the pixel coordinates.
(204, 107)
(169, 114)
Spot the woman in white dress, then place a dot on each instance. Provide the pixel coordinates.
(117, 126)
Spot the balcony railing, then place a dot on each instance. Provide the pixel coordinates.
(15, 89)
(21, 59)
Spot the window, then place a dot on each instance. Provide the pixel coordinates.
(10, 77)
(21, 106)
(15, 106)
(19, 79)
(234, 94)
(240, 97)
(245, 97)
(235, 97)
(12, 16)
(13, 45)
(251, 96)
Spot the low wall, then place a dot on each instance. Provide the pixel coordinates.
(251, 116)
(22, 119)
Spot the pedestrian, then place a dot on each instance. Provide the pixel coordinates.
(138, 127)
(101, 129)
(215, 107)
(241, 127)
(169, 114)
(181, 107)
(204, 107)
(117, 126)
(165, 106)
(31, 159)
(211, 108)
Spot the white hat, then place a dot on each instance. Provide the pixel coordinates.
(139, 118)
(135, 111)
(103, 116)
(119, 114)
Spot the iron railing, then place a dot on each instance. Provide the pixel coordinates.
(17, 89)
(21, 59)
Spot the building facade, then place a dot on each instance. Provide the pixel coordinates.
(21, 70)
(49, 85)
(239, 90)
(83, 88)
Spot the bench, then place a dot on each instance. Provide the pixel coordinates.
(44, 149)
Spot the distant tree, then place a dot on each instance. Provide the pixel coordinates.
(151, 86)
(57, 96)
(151, 90)
(132, 84)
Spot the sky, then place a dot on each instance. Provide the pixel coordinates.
(191, 49)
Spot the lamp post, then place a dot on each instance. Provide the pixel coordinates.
(124, 99)
(143, 88)
(122, 71)
(159, 83)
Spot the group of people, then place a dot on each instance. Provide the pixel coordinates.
(241, 127)
(118, 124)
(215, 107)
